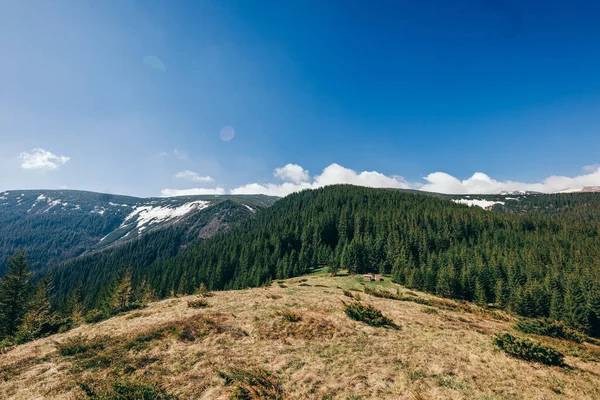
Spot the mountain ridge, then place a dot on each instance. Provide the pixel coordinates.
(57, 225)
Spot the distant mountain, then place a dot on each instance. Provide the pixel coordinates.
(582, 189)
(57, 225)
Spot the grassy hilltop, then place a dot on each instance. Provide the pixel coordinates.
(294, 340)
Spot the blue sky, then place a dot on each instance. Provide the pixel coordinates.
(131, 97)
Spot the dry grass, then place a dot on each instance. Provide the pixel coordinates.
(243, 346)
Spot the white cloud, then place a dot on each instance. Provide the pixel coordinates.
(591, 168)
(481, 183)
(41, 159)
(292, 172)
(192, 176)
(441, 182)
(190, 192)
(332, 175)
(272, 189)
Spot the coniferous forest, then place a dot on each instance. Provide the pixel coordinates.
(541, 261)
(545, 263)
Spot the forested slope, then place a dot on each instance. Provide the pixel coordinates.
(58, 225)
(536, 265)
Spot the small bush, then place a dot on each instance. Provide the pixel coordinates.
(127, 390)
(273, 296)
(429, 310)
(303, 284)
(291, 316)
(253, 384)
(96, 316)
(197, 303)
(80, 344)
(347, 293)
(368, 314)
(549, 327)
(382, 294)
(528, 350)
(282, 286)
(203, 291)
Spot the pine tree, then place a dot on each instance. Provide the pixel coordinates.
(333, 269)
(75, 308)
(122, 295)
(480, 295)
(446, 283)
(15, 288)
(500, 294)
(38, 318)
(144, 294)
(575, 309)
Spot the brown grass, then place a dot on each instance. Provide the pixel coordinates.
(243, 346)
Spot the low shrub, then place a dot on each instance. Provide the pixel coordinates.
(291, 316)
(127, 390)
(368, 314)
(79, 345)
(203, 291)
(347, 293)
(529, 350)
(253, 384)
(94, 316)
(549, 327)
(382, 294)
(197, 303)
(273, 296)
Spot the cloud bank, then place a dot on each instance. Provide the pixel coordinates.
(192, 176)
(190, 192)
(296, 178)
(40, 159)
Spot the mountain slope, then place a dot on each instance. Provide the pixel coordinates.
(57, 225)
(538, 265)
(242, 344)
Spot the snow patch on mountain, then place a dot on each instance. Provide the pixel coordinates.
(117, 205)
(98, 210)
(581, 189)
(146, 215)
(477, 202)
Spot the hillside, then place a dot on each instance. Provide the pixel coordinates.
(541, 264)
(57, 225)
(292, 340)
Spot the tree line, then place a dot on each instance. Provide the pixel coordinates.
(27, 311)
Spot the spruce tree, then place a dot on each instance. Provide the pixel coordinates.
(15, 288)
(75, 308)
(122, 295)
(38, 318)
